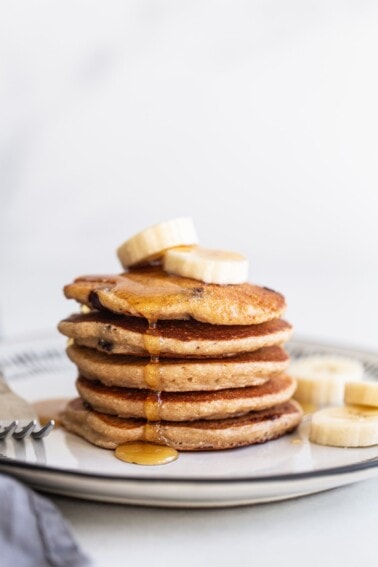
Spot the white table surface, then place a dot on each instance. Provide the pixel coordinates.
(335, 528)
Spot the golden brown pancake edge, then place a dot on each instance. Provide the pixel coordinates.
(185, 406)
(203, 435)
(101, 332)
(154, 294)
(180, 374)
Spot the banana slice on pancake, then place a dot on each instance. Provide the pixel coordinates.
(209, 266)
(348, 426)
(321, 378)
(153, 242)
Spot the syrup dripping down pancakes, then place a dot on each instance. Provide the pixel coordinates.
(172, 360)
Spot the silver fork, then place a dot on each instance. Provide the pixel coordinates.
(15, 410)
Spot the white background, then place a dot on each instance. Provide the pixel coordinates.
(257, 118)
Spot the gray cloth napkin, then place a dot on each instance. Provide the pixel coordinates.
(32, 530)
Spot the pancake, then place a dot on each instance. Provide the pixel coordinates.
(254, 427)
(116, 334)
(172, 375)
(185, 406)
(154, 294)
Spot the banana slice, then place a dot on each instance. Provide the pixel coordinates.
(349, 426)
(151, 243)
(209, 266)
(362, 393)
(321, 379)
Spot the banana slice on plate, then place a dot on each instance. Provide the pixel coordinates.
(206, 265)
(349, 426)
(362, 393)
(321, 379)
(152, 243)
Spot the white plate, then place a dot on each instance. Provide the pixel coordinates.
(65, 464)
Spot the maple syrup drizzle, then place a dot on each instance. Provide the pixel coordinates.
(141, 453)
(151, 432)
(152, 373)
(152, 406)
(153, 449)
(152, 341)
(50, 409)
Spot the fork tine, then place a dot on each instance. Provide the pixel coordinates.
(45, 430)
(25, 431)
(7, 431)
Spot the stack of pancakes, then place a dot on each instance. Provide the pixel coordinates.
(178, 362)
